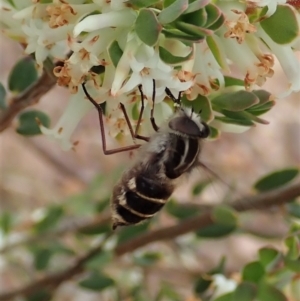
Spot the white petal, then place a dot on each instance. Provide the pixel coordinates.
(123, 18)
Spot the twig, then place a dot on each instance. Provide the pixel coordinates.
(50, 282)
(263, 200)
(28, 97)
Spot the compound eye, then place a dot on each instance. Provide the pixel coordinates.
(205, 131)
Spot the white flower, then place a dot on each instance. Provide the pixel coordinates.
(288, 61)
(77, 108)
(222, 285)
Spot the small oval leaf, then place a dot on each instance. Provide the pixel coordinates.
(29, 122)
(253, 272)
(246, 291)
(225, 215)
(276, 179)
(171, 59)
(268, 257)
(235, 101)
(97, 282)
(282, 27)
(193, 30)
(147, 27)
(115, 52)
(22, 75)
(215, 230)
(173, 11)
(268, 292)
(142, 3)
(180, 211)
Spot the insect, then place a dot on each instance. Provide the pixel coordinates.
(169, 154)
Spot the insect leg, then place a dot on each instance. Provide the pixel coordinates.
(101, 122)
(155, 127)
(134, 135)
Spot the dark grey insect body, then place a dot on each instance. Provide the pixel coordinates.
(171, 153)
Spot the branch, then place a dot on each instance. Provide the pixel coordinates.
(28, 97)
(50, 282)
(263, 200)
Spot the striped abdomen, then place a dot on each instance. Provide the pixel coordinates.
(145, 188)
(140, 199)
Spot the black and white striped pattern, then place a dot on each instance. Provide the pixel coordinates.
(171, 153)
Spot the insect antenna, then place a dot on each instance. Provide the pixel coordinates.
(175, 100)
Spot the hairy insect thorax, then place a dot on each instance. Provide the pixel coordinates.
(171, 153)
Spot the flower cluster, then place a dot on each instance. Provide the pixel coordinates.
(191, 47)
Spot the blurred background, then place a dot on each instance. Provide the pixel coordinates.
(35, 173)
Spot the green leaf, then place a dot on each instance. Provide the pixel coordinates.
(2, 97)
(202, 283)
(42, 257)
(235, 101)
(199, 187)
(177, 34)
(293, 265)
(115, 53)
(196, 5)
(263, 95)
(29, 122)
(193, 30)
(276, 179)
(5, 222)
(147, 27)
(40, 295)
(51, 218)
(173, 11)
(225, 297)
(233, 81)
(22, 75)
(218, 53)
(147, 259)
(268, 257)
(99, 260)
(225, 215)
(253, 272)
(142, 3)
(293, 209)
(11, 2)
(245, 291)
(292, 243)
(242, 122)
(214, 133)
(282, 27)
(215, 230)
(129, 232)
(215, 26)
(239, 116)
(171, 59)
(197, 18)
(259, 109)
(267, 292)
(179, 211)
(96, 282)
(213, 14)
